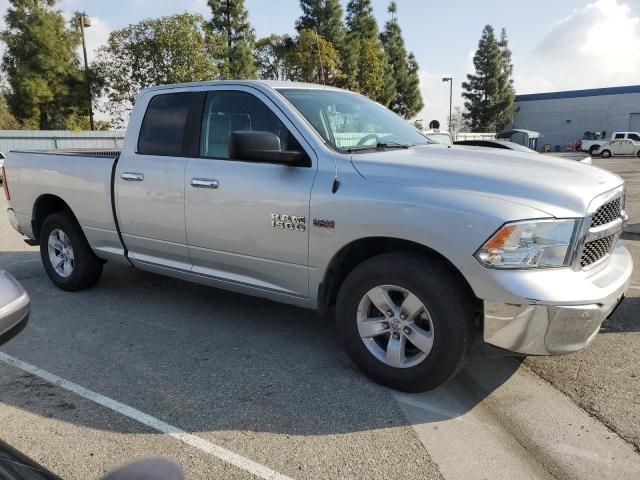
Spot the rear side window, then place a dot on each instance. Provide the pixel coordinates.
(163, 127)
(634, 136)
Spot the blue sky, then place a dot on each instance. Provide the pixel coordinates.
(557, 45)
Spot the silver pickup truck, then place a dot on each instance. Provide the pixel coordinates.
(319, 197)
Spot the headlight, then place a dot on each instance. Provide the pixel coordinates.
(530, 244)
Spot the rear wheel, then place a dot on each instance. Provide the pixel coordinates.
(405, 321)
(605, 153)
(67, 257)
(593, 148)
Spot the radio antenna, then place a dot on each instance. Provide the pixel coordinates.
(336, 180)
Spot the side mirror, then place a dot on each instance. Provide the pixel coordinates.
(14, 307)
(258, 146)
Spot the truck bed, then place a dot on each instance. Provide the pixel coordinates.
(80, 178)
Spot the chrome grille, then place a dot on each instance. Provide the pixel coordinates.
(607, 213)
(605, 224)
(597, 249)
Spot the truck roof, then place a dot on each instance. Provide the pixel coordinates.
(273, 84)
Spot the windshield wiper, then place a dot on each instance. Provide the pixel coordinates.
(378, 146)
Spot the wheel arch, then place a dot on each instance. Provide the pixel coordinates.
(44, 206)
(357, 251)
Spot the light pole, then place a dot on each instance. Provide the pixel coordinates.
(450, 80)
(85, 22)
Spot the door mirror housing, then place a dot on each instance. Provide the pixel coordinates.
(14, 307)
(257, 146)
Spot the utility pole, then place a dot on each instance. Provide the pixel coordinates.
(450, 80)
(85, 22)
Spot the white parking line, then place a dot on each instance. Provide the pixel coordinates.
(217, 451)
(635, 287)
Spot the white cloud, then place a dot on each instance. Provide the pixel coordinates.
(595, 46)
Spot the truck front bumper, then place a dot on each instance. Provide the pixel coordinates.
(552, 311)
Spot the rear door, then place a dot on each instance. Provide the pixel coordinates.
(149, 183)
(247, 222)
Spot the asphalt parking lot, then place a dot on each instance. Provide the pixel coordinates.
(230, 386)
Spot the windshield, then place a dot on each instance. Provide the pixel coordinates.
(350, 122)
(439, 137)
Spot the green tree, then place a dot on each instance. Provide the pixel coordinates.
(508, 95)
(488, 94)
(313, 59)
(371, 66)
(41, 65)
(359, 56)
(271, 57)
(411, 91)
(230, 20)
(361, 24)
(407, 100)
(7, 120)
(324, 17)
(178, 48)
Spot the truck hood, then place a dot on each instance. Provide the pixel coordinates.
(560, 187)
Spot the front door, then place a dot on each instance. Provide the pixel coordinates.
(626, 147)
(149, 184)
(248, 222)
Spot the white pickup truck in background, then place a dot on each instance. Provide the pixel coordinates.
(592, 141)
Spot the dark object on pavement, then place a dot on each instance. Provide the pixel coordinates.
(150, 469)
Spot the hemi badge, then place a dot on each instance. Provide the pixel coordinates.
(323, 223)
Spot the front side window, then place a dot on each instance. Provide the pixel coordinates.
(619, 135)
(229, 111)
(634, 136)
(163, 128)
(350, 122)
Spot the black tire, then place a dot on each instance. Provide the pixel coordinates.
(593, 148)
(449, 305)
(87, 268)
(605, 154)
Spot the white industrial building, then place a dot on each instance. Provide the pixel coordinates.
(563, 117)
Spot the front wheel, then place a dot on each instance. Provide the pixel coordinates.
(605, 154)
(67, 257)
(405, 320)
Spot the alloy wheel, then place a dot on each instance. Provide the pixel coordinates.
(395, 326)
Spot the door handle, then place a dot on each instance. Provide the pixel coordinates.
(205, 183)
(132, 176)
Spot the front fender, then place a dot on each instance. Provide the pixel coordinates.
(450, 222)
